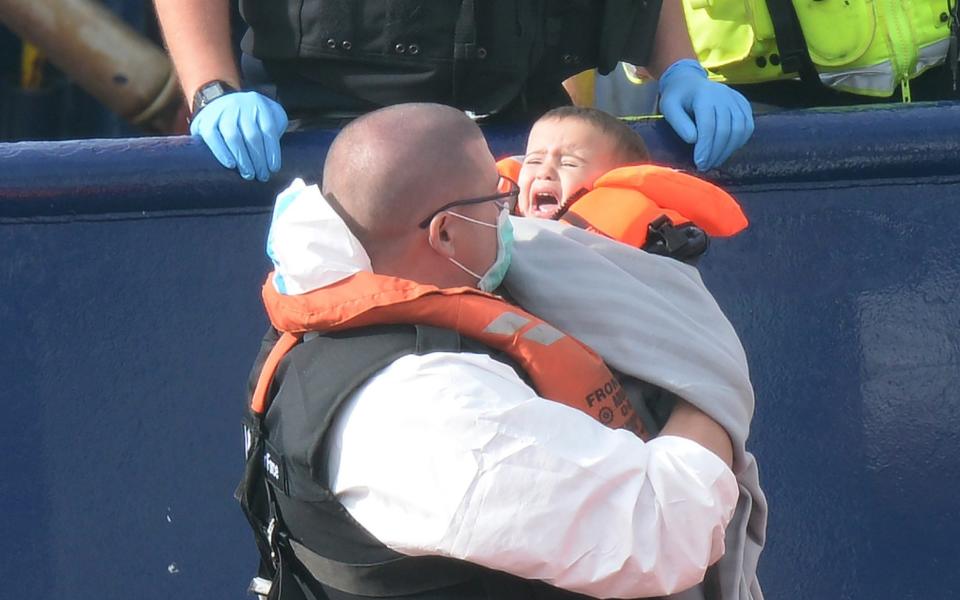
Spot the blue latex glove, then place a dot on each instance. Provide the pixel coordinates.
(722, 119)
(243, 130)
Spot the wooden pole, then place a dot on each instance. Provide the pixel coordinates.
(105, 56)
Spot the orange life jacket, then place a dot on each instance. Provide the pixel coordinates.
(560, 367)
(622, 203)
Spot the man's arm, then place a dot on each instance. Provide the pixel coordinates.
(672, 40)
(722, 119)
(242, 129)
(197, 33)
(689, 422)
(473, 465)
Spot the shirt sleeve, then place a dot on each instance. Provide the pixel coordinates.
(453, 455)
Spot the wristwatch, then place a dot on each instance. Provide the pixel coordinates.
(209, 92)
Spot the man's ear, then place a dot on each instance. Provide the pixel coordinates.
(441, 236)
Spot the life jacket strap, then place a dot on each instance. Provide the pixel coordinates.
(286, 342)
(398, 577)
(274, 580)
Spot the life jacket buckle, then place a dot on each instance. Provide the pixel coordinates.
(686, 242)
(260, 587)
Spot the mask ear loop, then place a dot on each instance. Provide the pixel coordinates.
(466, 270)
(457, 262)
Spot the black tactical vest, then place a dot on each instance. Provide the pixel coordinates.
(313, 549)
(478, 55)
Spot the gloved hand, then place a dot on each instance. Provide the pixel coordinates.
(722, 117)
(243, 130)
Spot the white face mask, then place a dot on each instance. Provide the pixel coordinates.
(493, 277)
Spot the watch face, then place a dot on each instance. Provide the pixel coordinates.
(213, 91)
(208, 93)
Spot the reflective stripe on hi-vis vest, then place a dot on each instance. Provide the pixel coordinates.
(560, 367)
(622, 203)
(867, 47)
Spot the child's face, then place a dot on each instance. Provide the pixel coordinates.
(563, 156)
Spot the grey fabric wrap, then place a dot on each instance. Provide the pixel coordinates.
(652, 318)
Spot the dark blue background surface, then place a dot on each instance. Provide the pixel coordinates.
(130, 313)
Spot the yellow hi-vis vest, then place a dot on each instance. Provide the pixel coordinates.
(865, 47)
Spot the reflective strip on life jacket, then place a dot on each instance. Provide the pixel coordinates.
(560, 367)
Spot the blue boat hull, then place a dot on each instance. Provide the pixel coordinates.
(130, 315)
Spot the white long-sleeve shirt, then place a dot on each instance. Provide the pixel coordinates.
(454, 455)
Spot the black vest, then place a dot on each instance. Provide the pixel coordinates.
(478, 55)
(318, 549)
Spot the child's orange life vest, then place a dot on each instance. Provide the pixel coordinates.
(622, 203)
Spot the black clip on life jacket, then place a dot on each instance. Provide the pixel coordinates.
(686, 243)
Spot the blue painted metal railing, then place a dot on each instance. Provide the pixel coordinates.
(129, 313)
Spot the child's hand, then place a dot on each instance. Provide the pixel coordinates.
(722, 119)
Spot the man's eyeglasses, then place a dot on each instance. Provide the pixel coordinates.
(506, 197)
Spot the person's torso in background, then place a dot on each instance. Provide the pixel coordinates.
(857, 46)
(476, 55)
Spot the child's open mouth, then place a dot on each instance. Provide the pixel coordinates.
(545, 205)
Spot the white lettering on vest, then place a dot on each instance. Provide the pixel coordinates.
(273, 469)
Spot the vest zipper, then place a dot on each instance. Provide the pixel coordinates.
(903, 50)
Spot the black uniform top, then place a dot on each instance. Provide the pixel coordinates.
(479, 55)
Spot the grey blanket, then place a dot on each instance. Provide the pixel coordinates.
(652, 318)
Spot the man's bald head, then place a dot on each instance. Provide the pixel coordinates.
(391, 168)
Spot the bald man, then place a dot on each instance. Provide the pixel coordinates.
(423, 438)
(387, 166)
